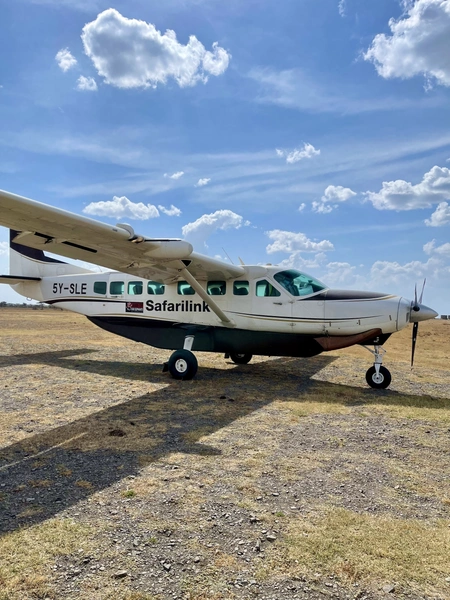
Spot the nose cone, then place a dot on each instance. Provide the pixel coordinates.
(422, 313)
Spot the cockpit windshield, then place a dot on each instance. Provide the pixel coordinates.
(299, 284)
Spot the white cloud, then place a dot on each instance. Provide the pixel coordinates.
(202, 182)
(419, 44)
(122, 207)
(395, 273)
(333, 193)
(293, 156)
(201, 229)
(287, 241)
(173, 211)
(129, 53)
(302, 207)
(321, 207)
(176, 175)
(86, 84)
(402, 195)
(440, 217)
(342, 275)
(431, 248)
(337, 193)
(3, 248)
(296, 89)
(65, 60)
(342, 7)
(297, 261)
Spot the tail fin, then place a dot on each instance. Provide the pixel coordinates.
(26, 261)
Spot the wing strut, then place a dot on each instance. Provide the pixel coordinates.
(204, 296)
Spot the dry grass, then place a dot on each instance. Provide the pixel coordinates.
(302, 432)
(364, 548)
(26, 556)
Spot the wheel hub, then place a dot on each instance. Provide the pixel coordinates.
(378, 377)
(181, 365)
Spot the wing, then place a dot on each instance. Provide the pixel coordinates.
(115, 247)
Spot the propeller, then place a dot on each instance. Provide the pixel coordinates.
(415, 306)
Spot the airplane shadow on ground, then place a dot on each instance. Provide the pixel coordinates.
(48, 472)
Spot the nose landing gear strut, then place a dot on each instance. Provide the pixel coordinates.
(378, 377)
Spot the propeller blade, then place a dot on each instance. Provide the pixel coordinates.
(421, 294)
(415, 297)
(414, 339)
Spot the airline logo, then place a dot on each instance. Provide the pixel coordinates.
(134, 307)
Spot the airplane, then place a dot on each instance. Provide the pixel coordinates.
(160, 292)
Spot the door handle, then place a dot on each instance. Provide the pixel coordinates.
(279, 303)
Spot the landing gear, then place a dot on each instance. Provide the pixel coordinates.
(183, 363)
(378, 377)
(241, 359)
(380, 380)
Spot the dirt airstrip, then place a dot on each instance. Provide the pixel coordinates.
(283, 479)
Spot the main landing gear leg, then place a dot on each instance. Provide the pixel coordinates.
(183, 363)
(378, 377)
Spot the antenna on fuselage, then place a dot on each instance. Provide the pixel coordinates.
(228, 255)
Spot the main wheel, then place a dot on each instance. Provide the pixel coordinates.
(378, 381)
(241, 359)
(182, 364)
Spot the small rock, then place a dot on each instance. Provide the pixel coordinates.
(120, 574)
(388, 589)
(167, 566)
(270, 537)
(75, 572)
(117, 433)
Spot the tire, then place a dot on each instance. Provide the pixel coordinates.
(182, 364)
(241, 359)
(380, 382)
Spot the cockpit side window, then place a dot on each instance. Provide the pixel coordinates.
(298, 284)
(265, 288)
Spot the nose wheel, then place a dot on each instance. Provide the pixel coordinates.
(378, 377)
(380, 380)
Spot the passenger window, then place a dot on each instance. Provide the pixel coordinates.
(265, 288)
(155, 288)
(100, 287)
(240, 288)
(216, 288)
(116, 288)
(135, 288)
(184, 289)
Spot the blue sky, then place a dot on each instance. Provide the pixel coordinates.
(308, 133)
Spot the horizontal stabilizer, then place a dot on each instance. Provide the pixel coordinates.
(13, 279)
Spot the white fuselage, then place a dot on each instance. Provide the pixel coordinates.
(329, 312)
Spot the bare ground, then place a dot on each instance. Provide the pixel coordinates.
(284, 478)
